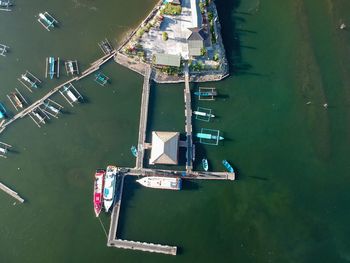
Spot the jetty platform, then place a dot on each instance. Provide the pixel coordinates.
(143, 117)
(11, 192)
(188, 122)
(114, 241)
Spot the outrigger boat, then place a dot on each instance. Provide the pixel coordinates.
(204, 114)
(134, 150)
(51, 67)
(2, 111)
(209, 136)
(228, 166)
(101, 79)
(206, 93)
(5, 5)
(205, 164)
(47, 20)
(17, 100)
(109, 187)
(29, 81)
(98, 190)
(52, 108)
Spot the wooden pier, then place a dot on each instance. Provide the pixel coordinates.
(94, 66)
(113, 241)
(188, 122)
(143, 117)
(11, 192)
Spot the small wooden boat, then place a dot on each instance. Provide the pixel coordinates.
(2, 111)
(134, 150)
(228, 166)
(17, 100)
(205, 164)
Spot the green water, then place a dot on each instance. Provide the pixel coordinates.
(290, 203)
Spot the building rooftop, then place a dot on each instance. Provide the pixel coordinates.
(165, 147)
(174, 2)
(167, 60)
(196, 14)
(195, 41)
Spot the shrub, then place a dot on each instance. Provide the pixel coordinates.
(165, 36)
(203, 51)
(216, 57)
(170, 9)
(202, 7)
(140, 32)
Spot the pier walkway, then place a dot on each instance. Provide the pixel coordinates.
(113, 241)
(188, 122)
(143, 117)
(11, 192)
(94, 66)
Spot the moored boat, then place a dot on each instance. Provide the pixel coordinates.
(109, 186)
(17, 100)
(205, 164)
(208, 136)
(205, 93)
(134, 150)
(98, 190)
(31, 83)
(159, 182)
(51, 67)
(2, 111)
(228, 166)
(204, 114)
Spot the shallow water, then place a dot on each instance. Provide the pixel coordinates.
(290, 202)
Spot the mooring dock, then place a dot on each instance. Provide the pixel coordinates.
(188, 122)
(11, 192)
(113, 241)
(143, 117)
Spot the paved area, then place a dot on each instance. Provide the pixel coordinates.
(177, 30)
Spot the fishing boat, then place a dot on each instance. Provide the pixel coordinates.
(208, 136)
(205, 164)
(5, 4)
(70, 67)
(228, 166)
(52, 108)
(206, 93)
(2, 111)
(98, 190)
(51, 67)
(17, 100)
(204, 114)
(46, 20)
(31, 83)
(39, 117)
(109, 187)
(134, 150)
(70, 94)
(159, 182)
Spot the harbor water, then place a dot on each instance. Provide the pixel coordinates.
(290, 202)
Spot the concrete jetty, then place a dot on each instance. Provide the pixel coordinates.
(113, 241)
(143, 117)
(11, 192)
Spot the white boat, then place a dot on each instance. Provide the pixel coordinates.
(204, 114)
(109, 187)
(158, 182)
(71, 95)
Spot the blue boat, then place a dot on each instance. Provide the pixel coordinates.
(2, 111)
(209, 136)
(134, 150)
(228, 166)
(206, 93)
(101, 79)
(205, 164)
(51, 67)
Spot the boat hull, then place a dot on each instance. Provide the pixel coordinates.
(109, 187)
(98, 191)
(158, 182)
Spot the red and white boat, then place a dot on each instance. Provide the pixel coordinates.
(98, 190)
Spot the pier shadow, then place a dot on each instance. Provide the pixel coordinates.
(189, 185)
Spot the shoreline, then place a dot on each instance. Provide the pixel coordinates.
(137, 65)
